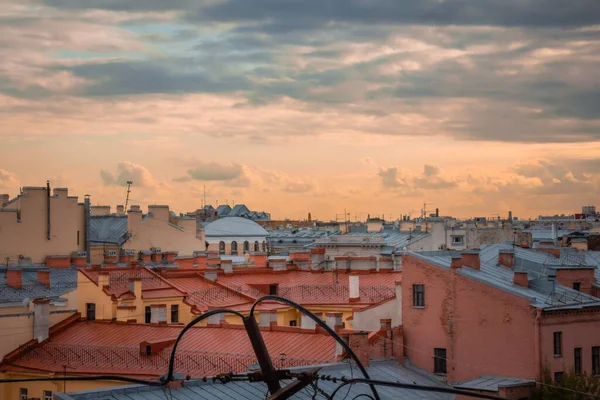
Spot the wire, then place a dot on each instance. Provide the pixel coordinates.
(361, 395)
(413, 387)
(86, 378)
(323, 325)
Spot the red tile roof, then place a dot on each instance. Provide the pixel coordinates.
(102, 347)
(153, 285)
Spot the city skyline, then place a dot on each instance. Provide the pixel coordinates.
(476, 109)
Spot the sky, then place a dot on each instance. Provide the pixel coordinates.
(475, 107)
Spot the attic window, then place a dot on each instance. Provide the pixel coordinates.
(148, 350)
(273, 290)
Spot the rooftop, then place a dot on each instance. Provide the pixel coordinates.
(381, 370)
(492, 383)
(541, 293)
(94, 347)
(234, 226)
(392, 238)
(62, 281)
(108, 229)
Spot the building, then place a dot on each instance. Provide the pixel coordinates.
(134, 294)
(38, 223)
(478, 313)
(208, 213)
(282, 241)
(32, 298)
(379, 370)
(79, 347)
(114, 237)
(235, 235)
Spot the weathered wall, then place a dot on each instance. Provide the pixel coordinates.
(29, 236)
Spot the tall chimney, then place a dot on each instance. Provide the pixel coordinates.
(437, 212)
(354, 288)
(48, 207)
(86, 219)
(359, 343)
(14, 278)
(120, 210)
(41, 325)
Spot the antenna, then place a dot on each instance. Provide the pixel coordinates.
(129, 183)
(204, 197)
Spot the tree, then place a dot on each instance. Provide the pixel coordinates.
(571, 386)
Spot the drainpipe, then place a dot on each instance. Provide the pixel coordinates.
(538, 344)
(48, 205)
(86, 221)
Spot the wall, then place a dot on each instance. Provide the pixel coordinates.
(585, 276)
(18, 329)
(370, 319)
(89, 292)
(29, 237)
(579, 329)
(157, 231)
(475, 323)
(213, 243)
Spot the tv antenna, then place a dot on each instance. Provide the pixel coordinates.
(129, 183)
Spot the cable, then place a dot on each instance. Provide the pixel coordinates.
(323, 325)
(199, 318)
(86, 378)
(412, 387)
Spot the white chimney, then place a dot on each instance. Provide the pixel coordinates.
(354, 287)
(307, 323)
(554, 235)
(41, 325)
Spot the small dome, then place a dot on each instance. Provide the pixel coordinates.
(234, 226)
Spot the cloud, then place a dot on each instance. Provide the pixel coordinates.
(298, 187)
(391, 177)
(213, 171)
(128, 171)
(430, 179)
(8, 179)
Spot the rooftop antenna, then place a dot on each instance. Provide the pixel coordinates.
(204, 197)
(129, 183)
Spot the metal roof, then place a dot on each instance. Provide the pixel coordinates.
(234, 226)
(62, 281)
(108, 229)
(541, 293)
(492, 383)
(393, 238)
(381, 370)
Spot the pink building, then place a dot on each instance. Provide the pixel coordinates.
(474, 314)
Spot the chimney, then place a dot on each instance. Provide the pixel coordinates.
(210, 275)
(510, 218)
(41, 326)
(135, 286)
(307, 323)
(266, 318)
(398, 344)
(521, 279)
(354, 288)
(134, 221)
(456, 263)
(333, 320)
(471, 259)
(3, 199)
(259, 259)
(437, 212)
(215, 320)
(14, 278)
(227, 266)
(103, 279)
(120, 210)
(44, 277)
(506, 258)
(135, 208)
(359, 343)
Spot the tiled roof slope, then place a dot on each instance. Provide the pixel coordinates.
(62, 281)
(98, 347)
(153, 286)
(380, 370)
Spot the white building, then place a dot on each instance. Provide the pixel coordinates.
(234, 235)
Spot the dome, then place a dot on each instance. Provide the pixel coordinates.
(234, 226)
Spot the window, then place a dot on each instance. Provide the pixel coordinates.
(174, 314)
(264, 246)
(23, 394)
(246, 246)
(558, 376)
(458, 239)
(234, 247)
(256, 246)
(596, 360)
(162, 313)
(577, 360)
(418, 295)
(273, 289)
(577, 286)
(293, 322)
(148, 314)
(148, 350)
(47, 395)
(557, 344)
(90, 311)
(439, 361)
(221, 247)
(77, 238)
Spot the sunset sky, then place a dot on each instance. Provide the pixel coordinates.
(296, 106)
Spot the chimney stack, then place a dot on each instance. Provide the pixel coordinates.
(103, 279)
(359, 343)
(437, 212)
(44, 278)
(354, 288)
(41, 312)
(506, 258)
(521, 279)
(14, 278)
(120, 210)
(456, 262)
(470, 259)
